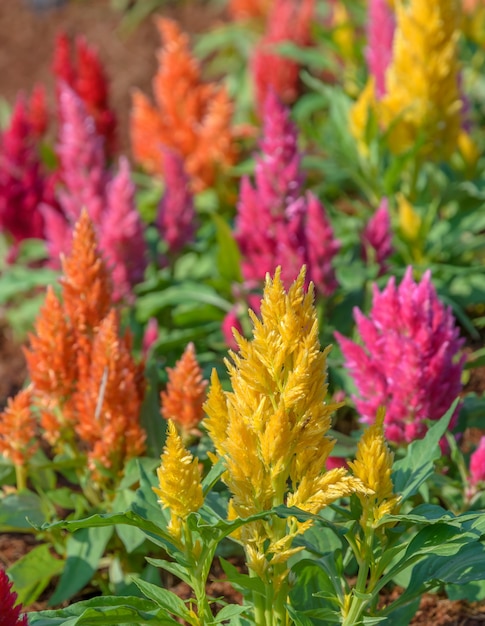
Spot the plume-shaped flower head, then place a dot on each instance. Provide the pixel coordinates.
(10, 614)
(477, 464)
(184, 397)
(373, 466)
(377, 237)
(191, 117)
(380, 35)
(410, 359)
(18, 428)
(86, 76)
(87, 287)
(289, 20)
(176, 219)
(272, 430)
(422, 99)
(180, 485)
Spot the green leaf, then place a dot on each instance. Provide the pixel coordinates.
(417, 466)
(241, 582)
(33, 572)
(165, 599)
(312, 579)
(150, 418)
(229, 611)
(84, 550)
(228, 254)
(169, 566)
(105, 610)
(21, 511)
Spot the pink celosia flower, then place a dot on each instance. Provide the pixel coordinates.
(176, 217)
(276, 224)
(477, 464)
(409, 361)
(380, 35)
(150, 336)
(121, 234)
(109, 200)
(377, 237)
(23, 185)
(288, 21)
(87, 78)
(81, 156)
(9, 613)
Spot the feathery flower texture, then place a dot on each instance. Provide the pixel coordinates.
(271, 430)
(18, 428)
(84, 378)
(10, 613)
(377, 237)
(191, 117)
(183, 400)
(409, 361)
(276, 224)
(477, 464)
(180, 484)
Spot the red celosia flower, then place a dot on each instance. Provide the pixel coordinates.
(9, 613)
(108, 400)
(289, 20)
(17, 430)
(185, 395)
(38, 110)
(190, 117)
(377, 237)
(410, 359)
(23, 185)
(88, 79)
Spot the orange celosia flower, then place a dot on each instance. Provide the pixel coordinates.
(190, 117)
(244, 9)
(51, 358)
(87, 289)
(18, 428)
(185, 395)
(108, 401)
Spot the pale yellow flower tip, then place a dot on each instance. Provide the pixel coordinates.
(179, 477)
(373, 463)
(409, 219)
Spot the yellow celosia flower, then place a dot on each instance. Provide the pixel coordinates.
(422, 100)
(271, 430)
(180, 487)
(468, 149)
(409, 219)
(373, 467)
(360, 114)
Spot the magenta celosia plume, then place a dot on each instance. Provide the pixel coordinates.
(23, 183)
(176, 219)
(409, 361)
(277, 224)
(121, 234)
(108, 198)
(380, 36)
(377, 237)
(477, 464)
(10, 615)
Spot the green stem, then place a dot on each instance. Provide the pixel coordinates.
(360, 597)
(21, 476)
(258, 604)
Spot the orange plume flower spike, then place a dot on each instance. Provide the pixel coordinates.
(190, 117)
(18, 428)
(183, 400)
(87, 289)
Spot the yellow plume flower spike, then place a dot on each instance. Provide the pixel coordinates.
(422, 99)
(373, 466)
(180, 487)
(409, 219)
(360, 114)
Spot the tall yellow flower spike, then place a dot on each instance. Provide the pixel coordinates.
(373, 466)
(180, 487)
(271, 430)
(422, 99)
